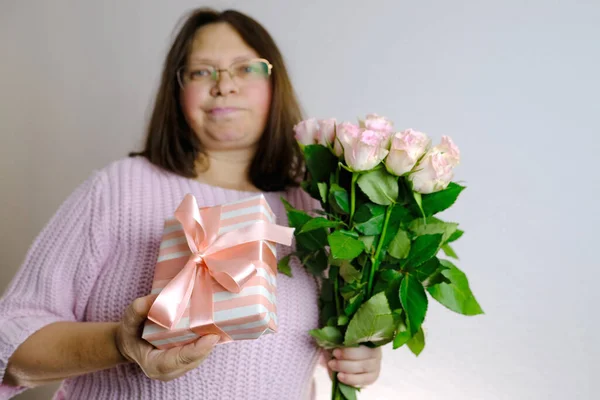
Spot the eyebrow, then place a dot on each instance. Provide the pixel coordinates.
(212, 62)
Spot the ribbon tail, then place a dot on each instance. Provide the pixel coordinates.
(259, 230)
(170, 305)
(202, 312)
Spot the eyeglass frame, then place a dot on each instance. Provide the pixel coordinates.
(228, 69)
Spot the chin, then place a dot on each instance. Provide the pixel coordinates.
(233, 141)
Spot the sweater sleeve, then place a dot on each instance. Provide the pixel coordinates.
(55, 280)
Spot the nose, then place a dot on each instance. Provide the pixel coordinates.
(225, 85)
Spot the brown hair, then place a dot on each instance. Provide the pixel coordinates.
(173, 145)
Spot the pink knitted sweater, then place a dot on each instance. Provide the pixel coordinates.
(97, 254)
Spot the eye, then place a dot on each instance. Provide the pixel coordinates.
(200, 73)
(251, 68)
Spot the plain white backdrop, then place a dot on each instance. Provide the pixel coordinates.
(515, 83)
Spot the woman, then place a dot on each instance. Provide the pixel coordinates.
(221, 129)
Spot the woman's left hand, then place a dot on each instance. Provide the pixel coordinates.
(356, 366)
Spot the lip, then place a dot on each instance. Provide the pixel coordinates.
(221, 111)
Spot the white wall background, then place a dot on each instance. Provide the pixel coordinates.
(515, 83)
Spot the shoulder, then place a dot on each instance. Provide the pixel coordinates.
(127, 180)
(132, 168)
(127, 173)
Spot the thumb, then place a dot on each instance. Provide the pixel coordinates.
(198, 350)
(137, 311)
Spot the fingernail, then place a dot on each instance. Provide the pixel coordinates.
(331, 364)
(337, 353)
(214, 339)
(341, 376)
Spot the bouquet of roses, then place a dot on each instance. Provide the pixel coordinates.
(375, 243)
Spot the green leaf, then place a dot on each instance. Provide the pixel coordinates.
(425, 270)
(455, 236)
(339, 200)
(342, 320)
(352, 234)
(349, 273)
(423, 248)
(414, 302)
(379, 186)
(399, 246)
(320, 162)
(400, 216)
(392, 289)
(311, 241)
(456, 295)
(389, 275)
(417, 343)
(316, 263)
(323, 191)
(283, 266)
(353, 304)
(334, 261)
(296, 218)
(449, 251)
(311, 187)
(351, 290)
(419, 200)
(434, 203)
(368, 242)
(317, 223)
(328, 311)
(402, 335)
(436, 278)
(433, 226)
(349, 392)
(367, 211)
(328, 337)
(362, 259)
(369, 219)
(372, 322)
(344, 247)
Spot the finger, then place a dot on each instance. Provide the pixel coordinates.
(196, 351)
(324, 357)
(358, 380)
(356, 353)
(178, 360)
(355, 367)
(137, 312)
(142, 305)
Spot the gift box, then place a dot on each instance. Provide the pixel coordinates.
(216, 273)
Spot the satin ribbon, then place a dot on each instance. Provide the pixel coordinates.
(193, 283)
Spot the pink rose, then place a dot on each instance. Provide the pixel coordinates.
(450, 150)
(436, 169)
(362, 150)
(344, 132)
(326, 133)
(374, 122)
(407, 148)
(307, 131)
(311, 131)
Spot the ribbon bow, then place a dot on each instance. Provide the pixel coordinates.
(215, 257)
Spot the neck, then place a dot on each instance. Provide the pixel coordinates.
(227, 169)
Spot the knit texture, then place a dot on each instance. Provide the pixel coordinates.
(97, 254)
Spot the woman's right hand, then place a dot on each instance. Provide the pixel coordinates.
(163, 365)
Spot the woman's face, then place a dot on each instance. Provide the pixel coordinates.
(228, 113)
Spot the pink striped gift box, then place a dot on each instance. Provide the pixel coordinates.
(246, 315)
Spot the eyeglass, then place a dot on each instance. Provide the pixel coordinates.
(242, 71)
